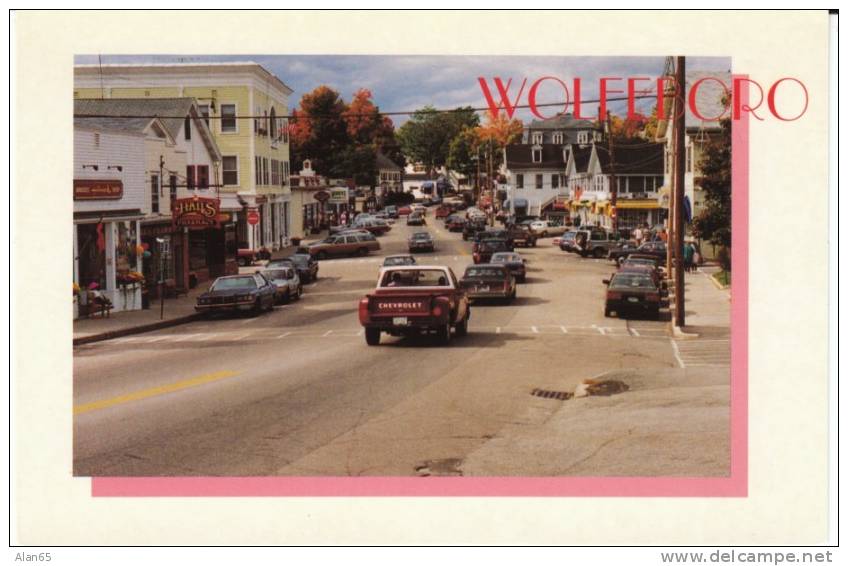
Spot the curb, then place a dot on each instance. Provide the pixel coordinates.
(681, 335)
(718, 285)
(137, 329)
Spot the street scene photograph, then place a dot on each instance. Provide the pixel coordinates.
(401, 266)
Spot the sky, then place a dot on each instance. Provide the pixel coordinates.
(405, 83)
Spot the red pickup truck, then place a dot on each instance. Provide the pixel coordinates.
(412, 300)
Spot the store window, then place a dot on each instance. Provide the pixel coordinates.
(125, 250)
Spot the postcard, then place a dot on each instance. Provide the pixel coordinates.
(489, 273)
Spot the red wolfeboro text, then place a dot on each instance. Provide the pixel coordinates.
(763, 102)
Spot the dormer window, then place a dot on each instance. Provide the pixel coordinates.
(583, 137)
(537, 138)
(537, 155)
(558, 138)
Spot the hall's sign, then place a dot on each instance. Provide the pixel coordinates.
(196, 212)
(85, 189)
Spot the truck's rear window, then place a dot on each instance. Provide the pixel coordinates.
(415, 278)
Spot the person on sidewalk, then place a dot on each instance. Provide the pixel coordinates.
(638, 235)
(688, 256)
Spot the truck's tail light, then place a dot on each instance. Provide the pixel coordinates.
(613, 295)
(437, 310)
(363, 310)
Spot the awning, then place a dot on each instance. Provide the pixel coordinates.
(664, 196)
(633, 204)
(230, 202)
(519, 203)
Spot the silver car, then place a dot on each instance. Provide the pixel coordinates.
(287, 282)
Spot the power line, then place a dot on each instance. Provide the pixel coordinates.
(359, 114)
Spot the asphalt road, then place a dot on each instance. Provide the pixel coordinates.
(298, 392)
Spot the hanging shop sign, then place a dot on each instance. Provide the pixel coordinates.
(321, 196)
(85, 189)
(338, 195)
(196, 212)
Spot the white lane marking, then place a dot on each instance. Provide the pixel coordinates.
(599, 329)
(564, 329)
(187, 337)
(497, 330)
(157, 339)
(534, 329)
(249, 320)
(633, 331)
(326, 333)
(284, 334)
(677, 353)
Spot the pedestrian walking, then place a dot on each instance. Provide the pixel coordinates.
(688, 256)
(638, 235)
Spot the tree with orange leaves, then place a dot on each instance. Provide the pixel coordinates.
(500, 130)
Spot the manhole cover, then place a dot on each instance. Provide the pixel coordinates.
(548, 394)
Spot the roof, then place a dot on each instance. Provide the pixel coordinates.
(581, 154)
(562, 122)
(636, 159)
(139, 107)
(196, 68)
(520, 156)
(383, 162)
(173, 111)
(135, 126)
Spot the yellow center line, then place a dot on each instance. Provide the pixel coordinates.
(153, 392)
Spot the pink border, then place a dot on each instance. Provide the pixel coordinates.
(734, 486)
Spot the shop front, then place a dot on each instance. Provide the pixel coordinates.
(640, 212)
(108, 259)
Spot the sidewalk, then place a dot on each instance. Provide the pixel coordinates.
(177, 311)
(673, 421)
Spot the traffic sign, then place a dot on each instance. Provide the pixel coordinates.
(253, 218)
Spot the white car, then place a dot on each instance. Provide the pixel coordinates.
(287, 282)
(545, 228)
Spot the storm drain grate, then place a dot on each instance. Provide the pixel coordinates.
(548, 394)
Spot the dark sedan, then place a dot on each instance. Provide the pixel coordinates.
(454, 223)
(421, 242)
(238, 293)
(306, 266)
(415, 219)
(471, 229)
(514, 262)
(632, 292)
(487, 281)
(656, 249)
(484, 250)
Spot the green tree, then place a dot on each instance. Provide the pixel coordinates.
(462, 154)
(427, 135)
(714, 222)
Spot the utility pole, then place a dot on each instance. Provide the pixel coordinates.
(679, 179)
(491, 183)
(613, 183)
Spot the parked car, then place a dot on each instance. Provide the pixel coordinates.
(545, 228)
(414, 300)
(391, 211)
(493, 234)
(246, 256)
(596, 242)
(305, 264)
(420, 208)
(415, 219)
(657, 249)
(629, 292)
(517, 265)
(344, 244)
(400, 259)
(421, 241)
(404, 210)
(621, 250)
(454, 223)
(566, 241)
(287, 282)
(485, 249)
(487, 281)
(238, 293)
